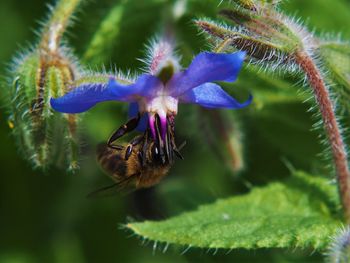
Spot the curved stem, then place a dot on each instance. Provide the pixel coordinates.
(331, 127)
(55, 27)
(221, 47)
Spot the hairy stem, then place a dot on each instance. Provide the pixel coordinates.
(226, 132)
(331, 127)
(221, 47)
(55, 27)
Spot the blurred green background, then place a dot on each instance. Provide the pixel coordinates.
(47, 217)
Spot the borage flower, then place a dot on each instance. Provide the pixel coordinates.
(155, 95)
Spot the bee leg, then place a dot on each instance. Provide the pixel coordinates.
(131, 145)
(128, 152)
(116, 147)
(178, 154)
(171, 140)
(181, 146)
(128, 127)
(140, 157)
(160, 140)
(144, 149)
(176, 149)
(168, 147)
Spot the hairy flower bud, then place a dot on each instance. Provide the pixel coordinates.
(276, 41)
(45, 138)
(339, 250)
(265, 34)
(245, 4)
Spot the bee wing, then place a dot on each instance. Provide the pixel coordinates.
(122, 187)
(109, 190)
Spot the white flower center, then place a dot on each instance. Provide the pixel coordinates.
(162, 105)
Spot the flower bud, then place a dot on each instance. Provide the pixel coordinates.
(161, 59)
(246, 4)
(339, 250)
(46, 138)
(265, 34)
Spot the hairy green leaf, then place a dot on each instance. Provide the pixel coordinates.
(302, 212)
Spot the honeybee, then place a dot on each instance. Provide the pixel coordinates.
(138, 171)
(142, 163)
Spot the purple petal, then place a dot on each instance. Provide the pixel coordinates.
(207, 67)
(133, 111)
(210, 95)
(86, 96)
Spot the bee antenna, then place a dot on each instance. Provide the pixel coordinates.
(181, 146)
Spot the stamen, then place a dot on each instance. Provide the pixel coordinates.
(152, 121)
(163, 126)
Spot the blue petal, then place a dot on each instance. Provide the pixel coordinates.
(86, 96)
(145, 86)
(82, 98)
(207, 67)
(210, 95)
(133, 111)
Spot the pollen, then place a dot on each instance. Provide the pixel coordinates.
(10, 124)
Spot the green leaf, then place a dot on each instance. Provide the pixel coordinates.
(101, 43)
(302, 213)
(119, 35)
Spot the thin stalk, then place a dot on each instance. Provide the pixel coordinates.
(226, 131)
(59, 20)
(223, 45)
(331, 127)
